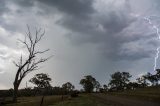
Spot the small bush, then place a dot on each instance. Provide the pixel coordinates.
(74, 94)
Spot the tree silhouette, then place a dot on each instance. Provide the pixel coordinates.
(30, 64)
(142, 81)
(158, 74)
(105, 87)
(42, 81)
(119, 80)
(152, 78)
(97, 86)
(132, 85)
(68, 87)
(88, 83)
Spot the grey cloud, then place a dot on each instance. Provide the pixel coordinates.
(115, 21)
(3, 7)
(1, 71)
(110, 31)
(76, 8)
(24, 3)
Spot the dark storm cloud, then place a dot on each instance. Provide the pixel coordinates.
(3, 7)
(22, 3)
(110, 31)
(25, 3)
(77, 8)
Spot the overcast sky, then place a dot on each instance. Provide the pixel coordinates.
(86, 37)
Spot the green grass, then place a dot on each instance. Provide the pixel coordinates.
(83, 100)
(35, 101)
(149, 93)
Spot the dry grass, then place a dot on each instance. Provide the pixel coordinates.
(35, 101)
(149, 93)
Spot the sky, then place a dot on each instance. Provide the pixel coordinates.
(85, 37)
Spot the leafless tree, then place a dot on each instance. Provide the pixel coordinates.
(29, 64)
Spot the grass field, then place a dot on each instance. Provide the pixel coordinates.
(35, 101)
(149, 93)
(145, 96)
(84, 100)
(140, 97)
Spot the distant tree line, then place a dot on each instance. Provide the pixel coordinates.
(42, 87)
(119, 81)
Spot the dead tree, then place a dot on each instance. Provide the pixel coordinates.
(32, 61)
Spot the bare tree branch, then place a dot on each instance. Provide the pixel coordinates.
(41, 52)
(32, 62)
(15, 64)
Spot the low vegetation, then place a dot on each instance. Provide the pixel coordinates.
(83, 100)
(148, 93)
(35, 101)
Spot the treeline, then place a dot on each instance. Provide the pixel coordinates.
(42, 87)
(119, 81)
(29, 91)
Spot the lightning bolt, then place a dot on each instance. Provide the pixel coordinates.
(158, 35)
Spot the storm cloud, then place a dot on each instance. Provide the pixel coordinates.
(110, 28)
(95, 37)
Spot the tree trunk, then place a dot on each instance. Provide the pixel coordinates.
(15, 91)
(42, 100)
(62, 97)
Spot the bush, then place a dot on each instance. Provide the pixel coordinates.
(74, 94)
